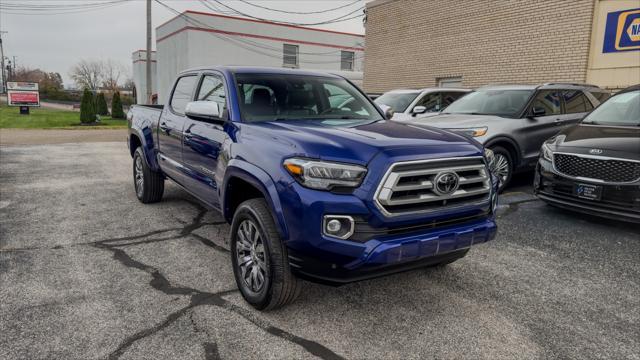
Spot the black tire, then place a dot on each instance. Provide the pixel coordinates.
(503, 153)
(279, 286)
(148, 184)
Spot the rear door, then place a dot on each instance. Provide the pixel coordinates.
(576, 107)
(540, 128)
(204, 141)
(170, 132)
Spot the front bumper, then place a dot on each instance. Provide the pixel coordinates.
(379, 245)
(398, 254)
(618, 202)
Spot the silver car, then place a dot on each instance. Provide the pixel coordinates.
(514, 120)
(409, 104)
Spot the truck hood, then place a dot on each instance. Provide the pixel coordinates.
(612, 140)
(453, 121)
(359, 141)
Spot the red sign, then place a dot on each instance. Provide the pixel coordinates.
(23, 98)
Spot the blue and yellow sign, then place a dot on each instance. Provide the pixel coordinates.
(622, 32)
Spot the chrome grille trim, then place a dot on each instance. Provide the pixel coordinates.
(474, 180)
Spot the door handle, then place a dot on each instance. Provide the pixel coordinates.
(164, 127)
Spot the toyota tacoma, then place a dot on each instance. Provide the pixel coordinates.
(314, 190)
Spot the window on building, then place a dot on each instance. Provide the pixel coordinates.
(212, 89)
(347, 59)
(182, 93)
(450, 82)
(549, 101)
(290, 55)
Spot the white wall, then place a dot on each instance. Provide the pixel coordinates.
(246, 43)
(139, 59)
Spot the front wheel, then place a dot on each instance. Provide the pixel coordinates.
(503, 166)
(149, 185)
(259, 258)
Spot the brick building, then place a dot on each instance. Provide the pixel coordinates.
(423, 43)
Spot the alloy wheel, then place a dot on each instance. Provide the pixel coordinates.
(502, 167)
(138, 176)
(250, 255)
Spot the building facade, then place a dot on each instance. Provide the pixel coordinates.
(195, 39)
(470, 43)
(139, 59)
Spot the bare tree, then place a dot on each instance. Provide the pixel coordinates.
(112, 72)
(88, 74)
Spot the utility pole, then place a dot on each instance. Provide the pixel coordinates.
(148, 64)
(3, 86)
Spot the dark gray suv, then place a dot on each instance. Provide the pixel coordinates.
(514, 120)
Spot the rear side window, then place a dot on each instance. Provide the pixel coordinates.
(549, 101)
(212, 89)
(576, 102)
(182, 93)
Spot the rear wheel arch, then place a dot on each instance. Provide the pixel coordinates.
(134, 143)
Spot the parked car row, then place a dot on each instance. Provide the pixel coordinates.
(511, 120)
(587, 164)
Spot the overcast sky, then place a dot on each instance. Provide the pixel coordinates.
(54, 42)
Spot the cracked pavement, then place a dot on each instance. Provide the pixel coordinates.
(88, 272)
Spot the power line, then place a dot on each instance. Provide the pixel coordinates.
(41, 9)
(299, 12)
(340, 18)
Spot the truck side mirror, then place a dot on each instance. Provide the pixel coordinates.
(203, 110)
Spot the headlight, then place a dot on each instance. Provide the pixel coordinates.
(473, 132)
(324, 175)
(547, 154)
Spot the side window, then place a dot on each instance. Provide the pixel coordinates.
(212, 89)
(576, 102)
(182, 93)
(601, 96)
(548, 100)
(449, 97)
(430, 101)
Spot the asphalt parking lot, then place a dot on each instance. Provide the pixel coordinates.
(86, 271)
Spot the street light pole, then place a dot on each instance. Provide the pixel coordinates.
(148, 63)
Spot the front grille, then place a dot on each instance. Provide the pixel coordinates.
(618, 171)
(414, 187)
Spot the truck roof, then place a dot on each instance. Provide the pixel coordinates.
(262, 70)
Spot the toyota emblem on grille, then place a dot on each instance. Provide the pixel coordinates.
(595, 151)
(446, 183)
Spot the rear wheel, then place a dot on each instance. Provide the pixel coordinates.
(149, 185)
(503, 165)
(259, 258)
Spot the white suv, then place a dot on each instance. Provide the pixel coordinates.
(409, 104)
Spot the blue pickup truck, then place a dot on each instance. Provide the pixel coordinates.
(315, 181)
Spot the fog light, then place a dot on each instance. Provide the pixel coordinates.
(338, 226)
(334, 226)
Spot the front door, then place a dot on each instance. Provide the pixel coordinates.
(204, 141)
(538, 129)
(171, 126)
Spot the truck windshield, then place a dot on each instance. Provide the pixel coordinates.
(398, 101)
(507, 103)
(620, 110)
(269, 97)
